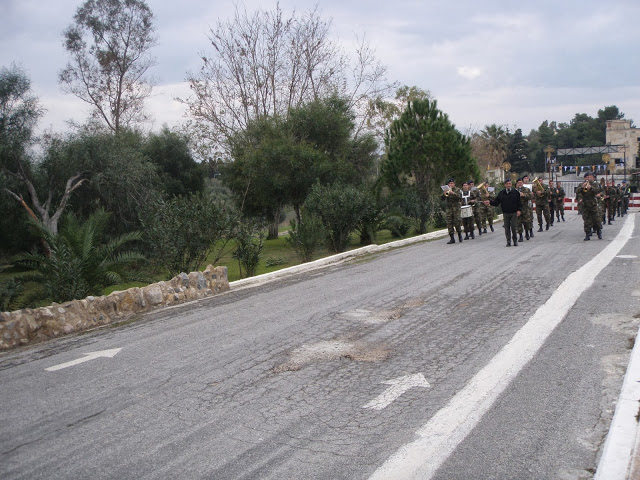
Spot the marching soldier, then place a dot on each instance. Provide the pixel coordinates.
(610, 202)
(626, 193)
(525, 221)
(588, 195)
(542, 197)
(552, 201)
(453, 201)
(526, 181)
(486, 210)
(467, 205)
(477, 214)
(560, 194)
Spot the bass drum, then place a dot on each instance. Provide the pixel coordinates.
(467, 211)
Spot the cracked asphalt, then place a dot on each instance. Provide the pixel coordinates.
(269, 381)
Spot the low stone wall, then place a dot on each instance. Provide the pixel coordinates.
(34, 325)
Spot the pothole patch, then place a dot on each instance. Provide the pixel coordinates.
(330, 350)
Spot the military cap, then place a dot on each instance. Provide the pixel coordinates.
(451, 180)
(589, 174)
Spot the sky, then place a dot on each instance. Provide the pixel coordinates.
(506, 62)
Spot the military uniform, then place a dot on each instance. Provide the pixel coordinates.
(588, 195)
(467, 222)
(525, 220)
(611, 202)
(486, 211)
(560, 194)
(542, 198)
(626, 193)
(453, 202)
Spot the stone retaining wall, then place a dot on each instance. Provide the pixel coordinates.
(34, 325)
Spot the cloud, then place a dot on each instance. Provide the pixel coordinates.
(469, 72)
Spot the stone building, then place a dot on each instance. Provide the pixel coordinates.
(620, 132)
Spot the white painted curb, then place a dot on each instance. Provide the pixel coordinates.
(333, 259)
(621, 445)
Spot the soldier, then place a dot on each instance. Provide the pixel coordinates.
(552, 201)
(453, 201)
(626, 193)
(526, 181)
(560, 194)
(486, 210)
(525, 218)
(509, 200)
(467, 211)
(610, 202)
(588, 195)
(477, 214)
(542, 197)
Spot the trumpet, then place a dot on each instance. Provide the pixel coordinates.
(586, 186)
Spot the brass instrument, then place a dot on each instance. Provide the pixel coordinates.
(586, 186)
(483, 188)
(537, 185)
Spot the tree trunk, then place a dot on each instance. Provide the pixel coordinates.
(273, 227)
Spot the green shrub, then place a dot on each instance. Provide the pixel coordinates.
(305, 237)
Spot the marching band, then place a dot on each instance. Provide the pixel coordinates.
(472, 207)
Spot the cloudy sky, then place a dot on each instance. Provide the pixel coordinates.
(495, 61)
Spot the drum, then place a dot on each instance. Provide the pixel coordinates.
(467, 211)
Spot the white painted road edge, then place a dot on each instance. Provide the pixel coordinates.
(617, 455)
(441, 435)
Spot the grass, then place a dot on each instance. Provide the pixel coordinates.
(277, 252)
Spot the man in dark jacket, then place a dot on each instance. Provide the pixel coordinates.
(511, 204)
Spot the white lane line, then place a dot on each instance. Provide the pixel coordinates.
(441, 435)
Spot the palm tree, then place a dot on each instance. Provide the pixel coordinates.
(78, 263)
(496, 144)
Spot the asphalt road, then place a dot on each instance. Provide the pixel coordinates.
(286, 379)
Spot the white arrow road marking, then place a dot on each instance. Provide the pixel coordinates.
(89, 356)
(398, 387)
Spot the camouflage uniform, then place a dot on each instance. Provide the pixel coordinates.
(525, 220)
(542, 206)
(560, 194)
(453, 202)
(589, 200)
(467, 223)
(486, 210)
(478, 216)
(611, 202)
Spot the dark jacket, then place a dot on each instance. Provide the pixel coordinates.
(510, 203)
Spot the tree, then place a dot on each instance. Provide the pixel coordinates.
(109, 43)
(19, 113)
(423, 148)
(120, 178)
(80, 261)
(340, 208)
(517, 146)
(263, 64)
(183, 231)
(178, 172)
(496, 144)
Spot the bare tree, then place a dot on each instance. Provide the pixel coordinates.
(19, 113)
(109, 43)
(264, 64)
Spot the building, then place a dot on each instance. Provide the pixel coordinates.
(620, 132)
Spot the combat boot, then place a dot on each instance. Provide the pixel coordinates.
(599, 232)
(466, 235)
(609, 222)
(526, 234)
(453, 240)
(540, 227)
(491, 227)
(547, 226)
(515, 241)
(472, 235)
(520, 237)
(587, 237)
(531, 232)
(484, 230)
(460, 236)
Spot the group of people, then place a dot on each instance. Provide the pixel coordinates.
(600, 203)
(469, 207)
